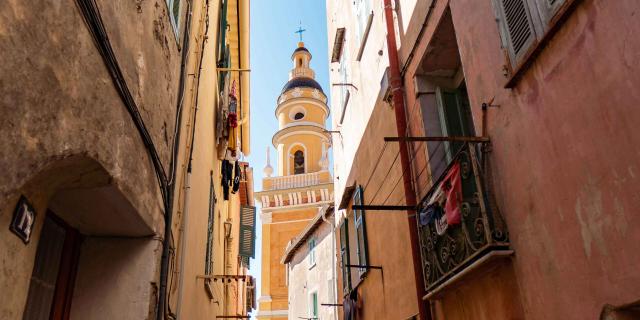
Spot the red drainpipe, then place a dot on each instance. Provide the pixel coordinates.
(397, 90)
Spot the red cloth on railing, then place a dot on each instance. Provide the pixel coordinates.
(452, 187)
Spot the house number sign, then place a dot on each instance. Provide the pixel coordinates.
(23, 219)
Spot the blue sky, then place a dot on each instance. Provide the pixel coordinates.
(273, 23)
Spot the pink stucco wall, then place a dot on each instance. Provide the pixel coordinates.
(565, 152)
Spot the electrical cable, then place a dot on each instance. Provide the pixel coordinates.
(384, 147)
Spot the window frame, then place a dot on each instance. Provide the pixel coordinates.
(545, 21)
(364, 20)
(175, 21)
(345, 257)
(359, 222)
(345, 93)
(312, 252)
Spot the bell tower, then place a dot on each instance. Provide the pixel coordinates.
(301, 111)
(301, 185)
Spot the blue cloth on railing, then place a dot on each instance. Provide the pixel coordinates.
(430, 213)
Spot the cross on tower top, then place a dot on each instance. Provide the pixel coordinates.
(300, 31)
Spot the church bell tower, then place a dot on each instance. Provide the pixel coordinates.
(302, 184)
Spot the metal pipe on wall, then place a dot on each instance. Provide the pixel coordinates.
(183, 241)
(397, 91)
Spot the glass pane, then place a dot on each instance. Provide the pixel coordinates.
(175, 11)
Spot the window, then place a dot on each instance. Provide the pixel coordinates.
(344, 80)
(298, 116)
(312, 252)
(298, 162)
(447, 113)
(174, 14)
(361, 232)
(313, 305)
(522, 24)
(247, 231)
(344, 256)
(222, 49)
(208, 267)
(363, 12)
(365, 18)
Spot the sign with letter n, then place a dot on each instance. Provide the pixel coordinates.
(23, 219)
(247, 231)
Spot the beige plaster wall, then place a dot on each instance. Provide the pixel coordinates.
(305, 278)
(116, 280)
(58, 103)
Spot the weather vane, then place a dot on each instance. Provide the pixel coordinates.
(300, 31)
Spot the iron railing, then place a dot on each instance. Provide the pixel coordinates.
(481, 228)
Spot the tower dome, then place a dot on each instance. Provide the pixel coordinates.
(301, 82)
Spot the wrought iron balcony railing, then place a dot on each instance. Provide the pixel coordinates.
(449, 245)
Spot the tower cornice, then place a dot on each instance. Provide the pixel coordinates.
(299, 130)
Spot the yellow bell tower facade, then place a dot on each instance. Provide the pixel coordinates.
(302, 184)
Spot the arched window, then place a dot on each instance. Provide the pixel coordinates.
(298, 162)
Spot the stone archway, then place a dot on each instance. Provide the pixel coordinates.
(116, 252)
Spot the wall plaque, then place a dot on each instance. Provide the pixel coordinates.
(24, 217)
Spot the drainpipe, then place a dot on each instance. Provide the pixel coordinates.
(333, 260)
(397, 90)
(183, 240)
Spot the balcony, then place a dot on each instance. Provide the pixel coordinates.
(296, 181)
(302, 72)
(451, 248)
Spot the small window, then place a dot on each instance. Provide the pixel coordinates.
(361, 232)
(344, 256)
(298, 116)
(298, 162)
(312, 252)
(174, 14)
(313, 305)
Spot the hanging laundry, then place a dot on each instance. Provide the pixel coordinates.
(232, 121)
(441, 225)
(236, 177)
(452, 187)
(430, 213)
(225, 177)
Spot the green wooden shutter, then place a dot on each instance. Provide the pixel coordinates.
(344, 256)
(314, 301)
(222, 30)
(247, 231)
(222, 48)
(517, 28)
(361, 232)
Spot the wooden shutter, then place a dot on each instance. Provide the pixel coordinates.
(517, 26)
(344, 256)
(208, 268)
(247, 231)
(361, 232)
